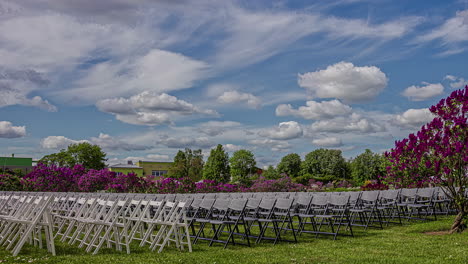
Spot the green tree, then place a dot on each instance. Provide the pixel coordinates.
(367, 166)
(290, 164)
(217, 165)
(242, 166)
(327, 163)
(271, 173)
(188, 163)
(86, 154)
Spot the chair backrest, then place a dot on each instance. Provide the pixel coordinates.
(283, 204)
(370, 196)
(303, 200)
(339, 200)
(267, 204)
(237, 204)
(221, 204)
(320, 200)
(207, 204)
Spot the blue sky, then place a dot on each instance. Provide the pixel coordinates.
(143, 79)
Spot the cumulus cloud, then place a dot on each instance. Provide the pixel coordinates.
(105, 141)
(234, 97)
(354, 123)
(158, 71)
(186, 142)
(345, 81)
(149, 108)
(284, 131)
(231, 147)
(7, 130)
(111, 143)
(456, 82)
(421, 93)
(16, 85)
(327, 142)
(414, 118)
(59, 142)
(315, 110)
(274, 145)
(158, 157)
(215, 128)
(452, 33)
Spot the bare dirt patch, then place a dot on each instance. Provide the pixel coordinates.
(437, 233)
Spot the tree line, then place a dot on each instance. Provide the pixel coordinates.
(320, 164)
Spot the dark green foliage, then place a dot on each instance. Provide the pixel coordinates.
(188, 163)
(242, 166)
(86, 154)
(271, 173)
(290, 164)
(217, 165)
(325, 162)
(367, 166)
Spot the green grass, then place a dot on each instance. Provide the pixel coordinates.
(395, 244)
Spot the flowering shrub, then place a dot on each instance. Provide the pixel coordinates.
(95, 180)
(210, 186)
(371, 185)
(123, 183)
(10, 182)
(53, 179)
(437, 154)
(284, 184)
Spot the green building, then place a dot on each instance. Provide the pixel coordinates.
(14, 163)
(143, 168)
(154, 168)
(127, 168)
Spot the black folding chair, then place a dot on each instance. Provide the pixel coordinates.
(232, 219)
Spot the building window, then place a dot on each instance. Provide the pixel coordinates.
(158, 172)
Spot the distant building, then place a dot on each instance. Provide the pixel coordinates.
(127, 168)
(154, 168)
(143, 168)
(13, 163)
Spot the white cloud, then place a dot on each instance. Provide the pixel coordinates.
(315, 110)
(231, 147)
(158, 71)
(276, 30)
(273, 145)
(7, 130)
(421, 93)
(414, 118)
(345, 81)
(58, 142)
(354, 123)
(16, 85)
(215, 128)
(108, 142)
(456, 82)
(234, 97)
(284, 131)
(158, 157)
(149, 108)
(327, 142)
(186, 142)
(105, 141)
(452, 33)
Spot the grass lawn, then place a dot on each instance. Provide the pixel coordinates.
(396, 244)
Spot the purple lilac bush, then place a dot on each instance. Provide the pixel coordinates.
(53, 179)
(437, 154)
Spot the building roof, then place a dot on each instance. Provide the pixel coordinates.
(150, 161)
(125, 166)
